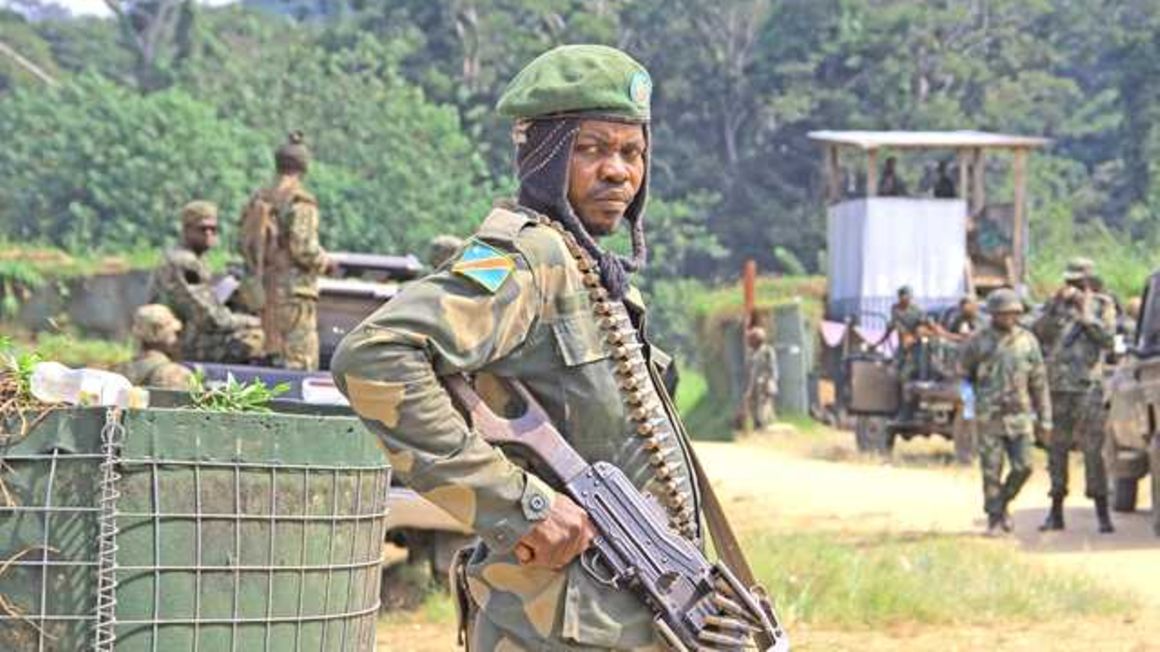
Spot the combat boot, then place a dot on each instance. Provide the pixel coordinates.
(1054, 520)
(994, 525)
(1103, 516)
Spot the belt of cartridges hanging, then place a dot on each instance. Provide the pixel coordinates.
(658, 440)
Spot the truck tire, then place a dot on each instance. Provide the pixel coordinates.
(872, 436)
(1124, 494)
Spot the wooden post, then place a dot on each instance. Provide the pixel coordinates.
(833, 175)
(871, 173)
(749, 291)
(978, 185)
(964, 175)
(1020, 171)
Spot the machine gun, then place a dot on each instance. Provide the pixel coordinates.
(700, 606)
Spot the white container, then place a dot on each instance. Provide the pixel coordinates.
(53, 382)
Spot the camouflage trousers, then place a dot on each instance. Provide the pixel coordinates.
(295, 326)
(994, 445)
(1079, 420)
(762, 408)
(485, 636)
(241, 345)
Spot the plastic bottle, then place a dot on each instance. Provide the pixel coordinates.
(53, 382)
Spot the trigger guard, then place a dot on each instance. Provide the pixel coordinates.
(590, 562)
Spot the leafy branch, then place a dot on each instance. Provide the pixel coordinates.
(233, 396)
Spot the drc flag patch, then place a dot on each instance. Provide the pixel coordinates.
(487, 266)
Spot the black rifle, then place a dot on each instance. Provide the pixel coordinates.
(699, 605)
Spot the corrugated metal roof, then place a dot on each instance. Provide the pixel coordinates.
(925, 139)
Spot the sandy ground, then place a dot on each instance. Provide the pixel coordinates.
(775, 482)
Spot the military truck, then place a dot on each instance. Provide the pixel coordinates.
(944, 245)
(359, 285)
(1132, 449)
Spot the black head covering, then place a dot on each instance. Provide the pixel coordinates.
(543, 153)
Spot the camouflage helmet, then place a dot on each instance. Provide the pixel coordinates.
(1004, 300)
(1078, 269)
(442, 248)
(198, 211)
(293, 155)
(152, 323)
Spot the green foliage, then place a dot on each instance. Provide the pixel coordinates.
(92, 166)
(18, 364)
(882, 580)
(233, 396)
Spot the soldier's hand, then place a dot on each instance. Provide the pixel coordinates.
(555, 541)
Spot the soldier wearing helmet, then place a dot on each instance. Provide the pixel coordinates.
(761, 384)
(1077, 331)
(211, 331)
(156, 330)
(283, 259)
(1005, 365)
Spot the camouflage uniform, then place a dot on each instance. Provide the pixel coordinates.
(761, 389)
(1075, 341)
(212, 332)
(290, 275)
(516, 303)
(1011, 388)
(155, 328)
(906, 322)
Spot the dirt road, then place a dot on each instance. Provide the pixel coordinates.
(765, 482)
(770, 483)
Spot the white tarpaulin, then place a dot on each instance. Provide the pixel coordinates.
(877, 244)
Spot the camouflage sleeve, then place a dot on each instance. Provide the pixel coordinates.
(1099, 322)
(1037, 386)
(389, 368)
(968, 359)
(302, 240)
(188, 288)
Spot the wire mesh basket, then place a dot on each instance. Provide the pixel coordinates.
(183, 530)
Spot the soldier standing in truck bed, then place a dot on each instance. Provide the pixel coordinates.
(211, 332)
(1076, 329)
(283, 258)
(536, 297)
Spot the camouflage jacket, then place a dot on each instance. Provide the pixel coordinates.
(906, 320)
(155, 369)
(293, 256)
(1010, 380)
(1075, 340)
(184, 283)
(536, 326)
(763, 373)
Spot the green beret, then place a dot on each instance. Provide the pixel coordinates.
(573, 79)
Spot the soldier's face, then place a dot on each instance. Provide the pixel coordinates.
(605, 173)
(1004, 321)
(202, 236)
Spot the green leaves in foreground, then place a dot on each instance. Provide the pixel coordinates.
(233, 396)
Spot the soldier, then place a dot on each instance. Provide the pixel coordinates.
(1005, 365)
(1076, 331)
(761, 387)
(905, 319)
(283, 258)
(156, 330)
(534, 296)
(441, 249)
(965, 321)
(212, 332)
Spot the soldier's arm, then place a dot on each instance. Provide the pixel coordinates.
(190, 289)
(1038, 388)
(302, 240)
(1099, 322)
(389, 368)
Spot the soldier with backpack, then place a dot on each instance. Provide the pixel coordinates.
(283, 258)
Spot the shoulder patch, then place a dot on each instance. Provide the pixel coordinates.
(503, 225)
(487, 266)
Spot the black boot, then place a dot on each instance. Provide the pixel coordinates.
(1102, 515)
(1054, 520)
(994, 525)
